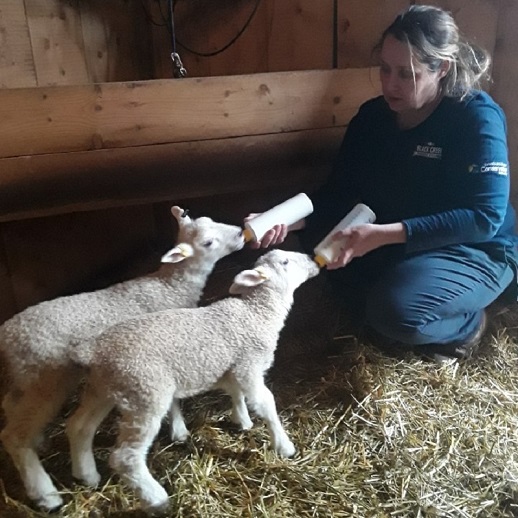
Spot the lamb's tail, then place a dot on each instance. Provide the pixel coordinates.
(81, 352)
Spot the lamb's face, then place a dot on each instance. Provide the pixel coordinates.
(216, 240)
(288, 268)
(209, 239)
(202, 239)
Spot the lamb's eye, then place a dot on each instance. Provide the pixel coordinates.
(286, 261)
(208, 243)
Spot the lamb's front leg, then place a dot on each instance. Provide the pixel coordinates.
(179, 431)
(261, 401)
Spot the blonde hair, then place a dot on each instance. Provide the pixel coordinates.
(434, 38)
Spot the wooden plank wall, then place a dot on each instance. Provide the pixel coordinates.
(60, 42)
(57, 42)
(359, 32)
(16, 62)
(67, 42)
(295, 35)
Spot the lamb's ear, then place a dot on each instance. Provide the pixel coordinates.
(178, 253)
(180, 215)
(247, 279)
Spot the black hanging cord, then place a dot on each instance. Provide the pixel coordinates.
(335, 34)
(178, 68)
(149, 18)
(171, 23)
(170, 28)
(230, 43)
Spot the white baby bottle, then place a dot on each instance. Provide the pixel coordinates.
(328, 249)
(287, 212)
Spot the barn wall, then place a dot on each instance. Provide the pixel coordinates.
(69, 43)
(62, 42)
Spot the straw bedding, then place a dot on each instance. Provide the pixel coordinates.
(378, 434)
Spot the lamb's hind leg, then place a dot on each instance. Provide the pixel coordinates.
(261, 401)
(138, 428)
(179, 431)
(81, 428)
(27, 412)
(239, 416)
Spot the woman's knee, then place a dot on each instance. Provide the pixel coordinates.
(395, 321)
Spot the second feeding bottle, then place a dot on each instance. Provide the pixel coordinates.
(328, 250)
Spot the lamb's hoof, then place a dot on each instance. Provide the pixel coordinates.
(159, 508)
(286, 449)
(244, 424)
(39, 442)
(50, 503)
(88, 479)
(247, 425)
(180, 436)
(154, 498)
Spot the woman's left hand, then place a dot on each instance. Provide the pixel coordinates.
(360, 240)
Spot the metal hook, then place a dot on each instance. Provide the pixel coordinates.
(179, 70)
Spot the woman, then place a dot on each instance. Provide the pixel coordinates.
(429, 157)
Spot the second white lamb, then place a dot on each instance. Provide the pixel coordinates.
(146, 365)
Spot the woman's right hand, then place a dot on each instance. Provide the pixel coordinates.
(275, 236)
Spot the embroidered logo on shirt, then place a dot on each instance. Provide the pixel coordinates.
(429, 150)
(490, 167)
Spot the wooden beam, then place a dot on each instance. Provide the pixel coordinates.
(36, 121)
(43, 185)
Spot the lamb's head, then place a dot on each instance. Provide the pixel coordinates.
(203, 239)
(283, 271)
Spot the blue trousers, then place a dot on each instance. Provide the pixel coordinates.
(431, 297)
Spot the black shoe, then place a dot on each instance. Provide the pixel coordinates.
(464, 349)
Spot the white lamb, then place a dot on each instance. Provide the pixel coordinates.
(37, 342)
(144, 366)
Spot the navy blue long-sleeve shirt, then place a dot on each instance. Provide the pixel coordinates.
(447, 180)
